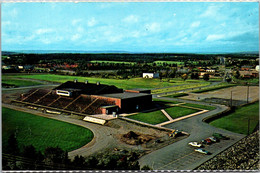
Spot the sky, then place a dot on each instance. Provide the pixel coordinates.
(174, 27)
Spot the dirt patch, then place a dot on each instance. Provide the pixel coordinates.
(135, 138)
(222, 96)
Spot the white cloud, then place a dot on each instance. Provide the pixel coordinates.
(195, 24)
(215, 37)
(131, 19)
(211, 11)
(153, 27)
(76, 21)
(43, 31)
(75, 37)
(5, 23)
(92, 22)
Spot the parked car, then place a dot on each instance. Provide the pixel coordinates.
(195, 144)
(220, 136)
(213, 139)
(208, 141)
(202, 151)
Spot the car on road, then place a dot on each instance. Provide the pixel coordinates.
(195, 144)
(202, 151)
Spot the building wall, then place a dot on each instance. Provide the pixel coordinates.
(131, 104)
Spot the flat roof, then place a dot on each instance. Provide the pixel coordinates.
(125, 95)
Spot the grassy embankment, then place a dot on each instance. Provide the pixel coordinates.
(17, 82)
(213, 88)
(238, 121)
(42, 132)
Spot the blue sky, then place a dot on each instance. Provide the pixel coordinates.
(134, 27)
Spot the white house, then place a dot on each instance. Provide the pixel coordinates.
(151, 75)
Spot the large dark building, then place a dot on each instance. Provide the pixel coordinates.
(90, 98)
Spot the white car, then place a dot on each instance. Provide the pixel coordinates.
(195, 144)
(202, 151)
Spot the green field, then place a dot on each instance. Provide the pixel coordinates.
(189, 85)
(200, 106)
(169, 62)
(176, 95)
(213, 88)
(18, 82)
(155, 117)
(121, 83)
(112, 62)
(177, 111)
(42, 132)
(238, 121)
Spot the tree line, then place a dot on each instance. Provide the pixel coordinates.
(54, 158)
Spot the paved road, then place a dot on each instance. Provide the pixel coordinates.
(180, 156)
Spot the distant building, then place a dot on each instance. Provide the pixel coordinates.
(151, 75)
(257, 68)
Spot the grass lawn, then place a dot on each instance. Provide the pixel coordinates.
(238, 121)
(121, 83)
(42, 132)
(177, 111)
(200, 106)
(18, 83)
(176, 95)
(189, 85)
(155, 117)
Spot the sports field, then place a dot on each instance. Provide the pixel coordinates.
(238, 121)
(42, 132)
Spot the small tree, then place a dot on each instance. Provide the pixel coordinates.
(206, 77)
(13, 145)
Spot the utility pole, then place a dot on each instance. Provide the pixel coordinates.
(248, 126)
(247, 98)
(231, 100)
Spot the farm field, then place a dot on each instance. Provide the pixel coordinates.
(121, 83)
(238, 121)
(177, 111)
(155, 117)
(42, 132)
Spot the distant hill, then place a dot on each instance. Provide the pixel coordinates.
(57, 51)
